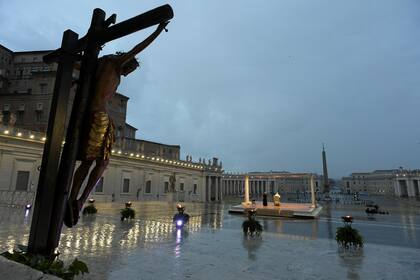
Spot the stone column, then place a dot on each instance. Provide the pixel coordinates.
(208, 189)
(227, 187)
(232, 187)
(237, 187)
(251, 191)
(219, 183)
(410, 187)
(396, 188)
(216, 179)
(221, 192)
(313, 200)
(246, 196)
(223, 183)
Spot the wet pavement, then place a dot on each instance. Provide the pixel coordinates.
(212, 245)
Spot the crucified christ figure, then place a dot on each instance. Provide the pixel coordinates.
(98, 138)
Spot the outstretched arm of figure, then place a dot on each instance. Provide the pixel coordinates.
(141, 46)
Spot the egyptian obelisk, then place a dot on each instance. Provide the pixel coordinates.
(324, 165)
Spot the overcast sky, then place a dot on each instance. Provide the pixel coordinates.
(261, 84)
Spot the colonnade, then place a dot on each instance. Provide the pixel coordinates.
(213, 189)
(407, 187)
(236, 186)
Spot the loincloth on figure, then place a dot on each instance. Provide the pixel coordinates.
(99, 137)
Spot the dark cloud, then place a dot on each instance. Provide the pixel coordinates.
(261, 84)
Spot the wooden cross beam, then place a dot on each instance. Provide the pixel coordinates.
(142, 21)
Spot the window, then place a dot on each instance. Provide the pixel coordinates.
(126, 185)
(166, 187)
(100, 186)
(38, 116)
(6, 117)
(181, 187)
(43, 87)
(195, 189)
(148, 186)
(20, 117)
(22, 180)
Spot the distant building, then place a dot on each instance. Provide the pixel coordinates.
(138, 169)
(397, 182)
(376, 182)
(26, 90)
(269, 182)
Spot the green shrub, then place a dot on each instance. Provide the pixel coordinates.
(90, 209)
(127, 213)
(347, 237)
(52, 266)
(252, 226)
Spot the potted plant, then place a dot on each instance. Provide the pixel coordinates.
(348, 237)
(90, 209)
(127, 212)
(252, 226)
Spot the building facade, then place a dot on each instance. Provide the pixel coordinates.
(269, 182)
(398, 182)
(407, 183)
(129, 176)
(26, 90)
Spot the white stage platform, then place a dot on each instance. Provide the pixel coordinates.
(298, 210)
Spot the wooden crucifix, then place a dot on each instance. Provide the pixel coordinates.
(89, 134)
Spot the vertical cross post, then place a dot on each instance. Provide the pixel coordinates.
(78, 115)
(44, 203)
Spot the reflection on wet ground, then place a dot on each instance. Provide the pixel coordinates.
(108, 245)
